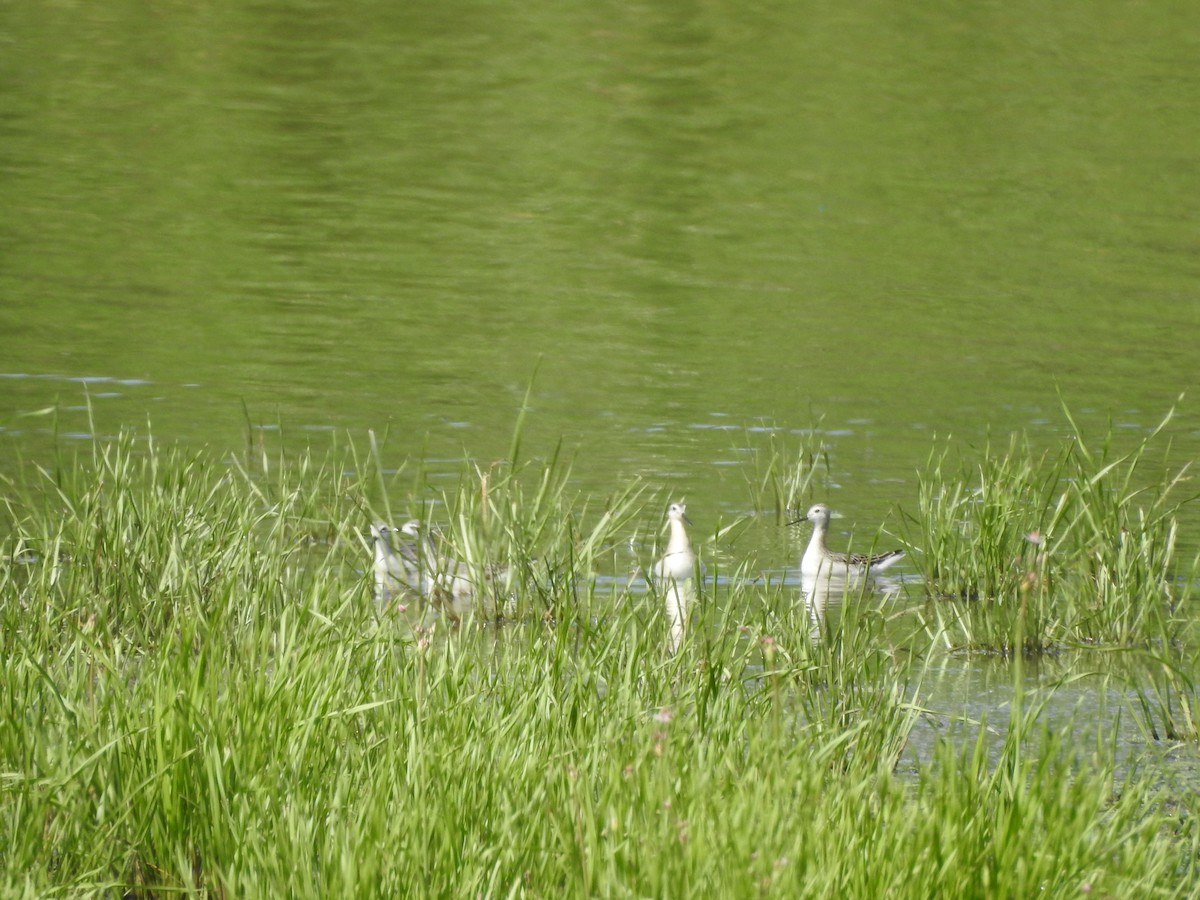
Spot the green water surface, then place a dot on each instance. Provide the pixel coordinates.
(886, 220)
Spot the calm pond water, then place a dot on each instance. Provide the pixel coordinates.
(695, 222)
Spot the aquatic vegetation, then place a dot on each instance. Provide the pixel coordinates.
(1026, 552)
(783, 476)
(201, 696)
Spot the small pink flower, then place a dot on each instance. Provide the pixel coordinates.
(1036, 538)
(664, 715)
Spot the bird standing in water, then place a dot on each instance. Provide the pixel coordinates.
(452, 582)
(396, 568)
(819, 560)
(676, 574)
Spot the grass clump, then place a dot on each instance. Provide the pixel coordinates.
(1077, 546)
(783, 477)
(199, 697)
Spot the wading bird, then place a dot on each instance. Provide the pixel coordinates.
(819, 560)
(676, 572)
(396, 568)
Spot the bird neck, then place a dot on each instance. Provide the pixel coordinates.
(818, 536)
(679, 542)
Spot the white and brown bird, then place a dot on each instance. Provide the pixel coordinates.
(459, 587)
(819, 560)
(396, 567)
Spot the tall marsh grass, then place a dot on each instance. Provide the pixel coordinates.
(781, 477)
(200, 698)
(1075, 545)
